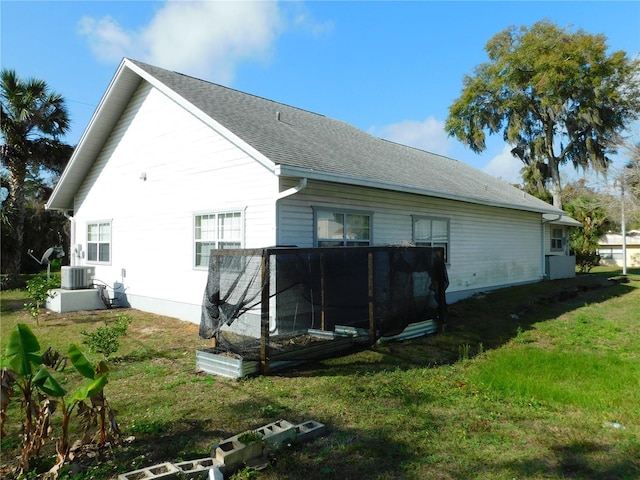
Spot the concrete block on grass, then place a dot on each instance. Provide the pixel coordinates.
(309, 430)
(197, 469)
(232, 453)
(278, 434)
(162, 471)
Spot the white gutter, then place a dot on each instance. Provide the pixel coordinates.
(293, 190)
(551, 220)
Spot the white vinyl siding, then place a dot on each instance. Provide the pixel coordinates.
(190, 169)
(99, 242)
(488, 247)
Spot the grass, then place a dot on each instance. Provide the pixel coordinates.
(526, 382)
(581, 380)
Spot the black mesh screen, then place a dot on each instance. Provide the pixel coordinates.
(292, 303)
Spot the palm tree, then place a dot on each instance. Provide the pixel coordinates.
(32, 120)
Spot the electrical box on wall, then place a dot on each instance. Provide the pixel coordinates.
(77, 278)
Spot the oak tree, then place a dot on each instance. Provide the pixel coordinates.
(557, 96)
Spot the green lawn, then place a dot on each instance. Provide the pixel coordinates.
(533, 382)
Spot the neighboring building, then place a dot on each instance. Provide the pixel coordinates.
(611, 249)
(171, 166)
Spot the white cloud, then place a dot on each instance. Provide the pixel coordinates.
(106, 38)
(304, 20)
(206, 39)
(505, 166)
(428, 134)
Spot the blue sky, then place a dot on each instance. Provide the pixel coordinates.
(390, 68)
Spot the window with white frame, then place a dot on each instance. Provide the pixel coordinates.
(557, 239)
(432, 232)
(342, 228)
(216, 231)
(99, 242)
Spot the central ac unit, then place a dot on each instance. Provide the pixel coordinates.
(77, 278)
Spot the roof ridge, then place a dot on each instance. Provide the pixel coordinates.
(138, 62)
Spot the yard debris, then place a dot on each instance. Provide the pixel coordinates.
(614, 425)
(250, 448)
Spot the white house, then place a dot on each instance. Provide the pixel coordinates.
(611, 249)
(171, 166)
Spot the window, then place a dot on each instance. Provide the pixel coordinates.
(99, 242)
(614, 253)
(432, 232)
(337, 229)
(557, 239)
(216, 230)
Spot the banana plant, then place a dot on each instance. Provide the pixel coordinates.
(96, 379)
(29, 372)
(95, 395)
(25, 363)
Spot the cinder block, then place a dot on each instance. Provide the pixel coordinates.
(162, 471)
(197, 469)
(309, 430)
(232, 453)
(278, 434)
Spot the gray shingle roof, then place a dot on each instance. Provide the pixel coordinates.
(300, 142)
(294, 137)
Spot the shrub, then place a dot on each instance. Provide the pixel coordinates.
(586, 261)
(38, 289)
(105, 340)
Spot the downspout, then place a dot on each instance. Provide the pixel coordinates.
(302, 184)
(72, 235)
(544, 263)
(293, 190)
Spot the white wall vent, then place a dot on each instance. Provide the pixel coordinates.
(77, 278)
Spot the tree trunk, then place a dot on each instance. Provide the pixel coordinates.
(556, 187)
(17, 175)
